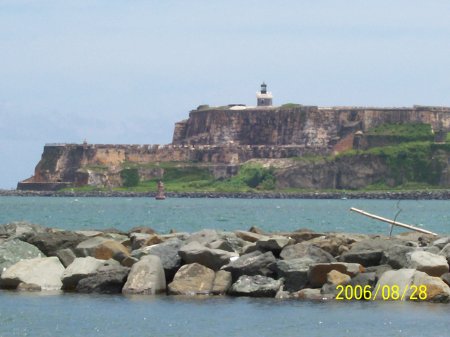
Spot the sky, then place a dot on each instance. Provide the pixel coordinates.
(123, 72)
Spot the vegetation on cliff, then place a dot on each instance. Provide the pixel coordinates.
(407, 152)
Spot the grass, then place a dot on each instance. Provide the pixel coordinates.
(407, 132)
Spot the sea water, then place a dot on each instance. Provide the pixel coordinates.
(185, 214)
(43, 314)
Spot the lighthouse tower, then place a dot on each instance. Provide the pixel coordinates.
(264, 98)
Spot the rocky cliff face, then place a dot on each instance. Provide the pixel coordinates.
(308, 126)
(226, 138)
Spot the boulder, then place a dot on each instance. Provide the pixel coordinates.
(141, 229)
(222, 245)
(106, 280)
(432, 264)
(20, 230)
(255, 263)
(102, 248)
(441, 242)
(378, 270)
(333, 243)
(395, 256)
(194, 252)
(66, 256)
(416, 238)
(306, 250)
(309, 294)
(365, 258)
(317, 275)
(249, 236)
(294, 272)
(446, 278)
(445, 252)
(436, 289)
(167, 251)
(377, 243)
(28, 287)
(401, 278)
(222, 282)
(273, 243)
(304, 235)
(192, 279)
(255, 286)
(146, 277)
(334, 278)
(45, 272)
(364, 279)
(204, 237)
(129, 261)
(50, 242)
(139, 240)
(12, 251)
(80, 268)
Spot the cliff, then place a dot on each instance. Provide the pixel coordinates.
(222, 139)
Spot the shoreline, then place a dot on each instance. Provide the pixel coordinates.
(301, 264)
(391, 195)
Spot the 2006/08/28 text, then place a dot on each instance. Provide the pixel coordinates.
(385, 293)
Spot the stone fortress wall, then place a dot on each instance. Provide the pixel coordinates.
(224, 138)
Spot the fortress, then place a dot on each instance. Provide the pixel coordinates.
(223, 138)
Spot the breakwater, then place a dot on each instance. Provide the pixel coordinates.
(301, 264)
(443, 194)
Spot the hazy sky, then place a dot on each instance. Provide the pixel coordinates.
(125, 71)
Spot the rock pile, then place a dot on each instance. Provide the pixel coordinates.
(301, 264)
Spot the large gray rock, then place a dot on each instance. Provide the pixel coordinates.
(382, 243)
(273, 243)
(436, 289)
(396, 256)
(365, 258)
(20, 230)
(432, 264)
(146, 277)
(66, 256)
(204, 236)
(194, 252)
(337, 243)
(378, 270)
(106, 280)
(137, 240)
(167, 251)
(306, 250)
(255, 263)
(317, 275)
(294, 272)
(255, 286)
(229, 242)
(12, 251)
(445, 252)
(192, 279)
(310, 295)
(441, 242)
(80, 268)
(304, 234)
(50, 242)
(249, 236)
(364, 279)
(45, 272)
(222, 282)
(102, 248)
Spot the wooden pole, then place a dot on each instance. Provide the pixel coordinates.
(395, 223)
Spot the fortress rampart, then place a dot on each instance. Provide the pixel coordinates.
(229, 137)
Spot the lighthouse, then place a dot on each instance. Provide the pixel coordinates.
(263, 97)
